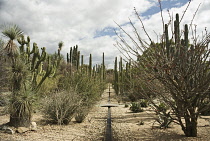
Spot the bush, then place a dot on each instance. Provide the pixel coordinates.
(81, 115)
(136, 107)
(162, 107)
(126, 105)
(143, 103)
(60, 107)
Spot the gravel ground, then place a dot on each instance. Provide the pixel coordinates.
(125, 126)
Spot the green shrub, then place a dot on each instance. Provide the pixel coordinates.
(136, 107)
(162, 107)
(126, 105)
(60, 107)
(143, 103)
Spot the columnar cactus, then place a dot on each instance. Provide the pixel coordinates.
(116, 79)
(78, 59)
(103, 67)
(90, 65)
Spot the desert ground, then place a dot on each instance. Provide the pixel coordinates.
(125, 126)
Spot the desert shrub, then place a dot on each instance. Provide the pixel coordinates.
(136, 107)
(60, 107)
(144, 103)
(162, 107)
(81, 114)
(87, 88)
(126, 105)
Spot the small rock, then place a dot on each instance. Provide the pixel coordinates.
(9, 131)
(33, 126)
(22, 129)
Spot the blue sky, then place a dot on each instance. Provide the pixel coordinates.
(90, 23)
(167, 4)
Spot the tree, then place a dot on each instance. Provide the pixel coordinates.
(175, 71)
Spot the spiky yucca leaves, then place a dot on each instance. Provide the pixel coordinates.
(12, 32)
(23, 96)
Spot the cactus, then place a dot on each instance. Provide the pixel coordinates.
(28, 65)
(90, 65)
(82, 60)
(70, 56)
(67, 58)
(167, 40)
(103, 67)
(35, 60)
(176, 29)
(78, 59)
(116, 80)
(186, 41)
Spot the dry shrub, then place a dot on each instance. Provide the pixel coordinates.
(60, 107)
(81, 114)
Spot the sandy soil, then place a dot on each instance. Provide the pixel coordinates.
(125, 126)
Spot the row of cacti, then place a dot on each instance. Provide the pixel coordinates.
(74, 58)
(121, 76)
(172, 47)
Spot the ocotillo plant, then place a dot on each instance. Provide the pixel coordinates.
(176, 72)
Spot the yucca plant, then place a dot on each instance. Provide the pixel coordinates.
(26, 70)
(13, 32)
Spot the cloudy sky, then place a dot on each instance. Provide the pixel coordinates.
(91, 23)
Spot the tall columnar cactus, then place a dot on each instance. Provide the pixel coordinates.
(90, 65)
(70, 56)
(176, 29)
(116, 79)
(82, 60)
(167, 40)
(78, 60)
(103, 68)
(67, 56)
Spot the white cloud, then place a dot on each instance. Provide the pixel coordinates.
(76, 21)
